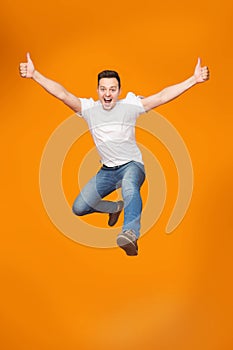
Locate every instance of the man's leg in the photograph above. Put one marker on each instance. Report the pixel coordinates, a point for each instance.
(133, 178)
(90, 198)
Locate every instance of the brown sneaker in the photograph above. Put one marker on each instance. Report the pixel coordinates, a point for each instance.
(127, 240)
(113, 217)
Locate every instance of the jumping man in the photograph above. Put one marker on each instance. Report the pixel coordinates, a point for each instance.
(111, 122)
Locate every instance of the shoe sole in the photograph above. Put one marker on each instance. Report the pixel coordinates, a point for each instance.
(127, 245)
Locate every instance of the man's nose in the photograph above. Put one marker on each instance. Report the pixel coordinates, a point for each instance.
(108, 93)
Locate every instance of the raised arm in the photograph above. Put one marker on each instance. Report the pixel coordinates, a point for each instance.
(27, 70)
(201, 74)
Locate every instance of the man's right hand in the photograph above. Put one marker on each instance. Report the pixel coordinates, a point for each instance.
(27, 69)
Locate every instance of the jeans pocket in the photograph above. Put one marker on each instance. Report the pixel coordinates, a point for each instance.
(141, 166)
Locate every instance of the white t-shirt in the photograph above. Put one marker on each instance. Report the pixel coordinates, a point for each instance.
(113, 131)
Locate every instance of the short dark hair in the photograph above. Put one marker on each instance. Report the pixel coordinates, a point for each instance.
(109, 74)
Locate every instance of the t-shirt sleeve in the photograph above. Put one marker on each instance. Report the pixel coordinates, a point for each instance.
(86, 103)
(132, 99)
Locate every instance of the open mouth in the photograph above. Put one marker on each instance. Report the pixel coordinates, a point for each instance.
(107, 100)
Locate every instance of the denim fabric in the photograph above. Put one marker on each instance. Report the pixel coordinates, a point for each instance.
(129, 177)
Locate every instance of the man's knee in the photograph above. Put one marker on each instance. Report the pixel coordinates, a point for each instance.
(79, 207)
(77, 210)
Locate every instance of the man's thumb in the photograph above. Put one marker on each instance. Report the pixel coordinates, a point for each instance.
(199, 62)
(28, 56)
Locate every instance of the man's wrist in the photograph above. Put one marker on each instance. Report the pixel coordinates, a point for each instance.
(190, 82)
(195, 80)
(34, 75)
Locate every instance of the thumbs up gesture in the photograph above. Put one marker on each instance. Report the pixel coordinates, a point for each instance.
(27, 69)
(201, 74)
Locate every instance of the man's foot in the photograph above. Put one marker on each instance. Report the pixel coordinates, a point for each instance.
(127, 240)
(113, 217)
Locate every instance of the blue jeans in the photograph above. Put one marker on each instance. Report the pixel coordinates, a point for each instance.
(129, 177)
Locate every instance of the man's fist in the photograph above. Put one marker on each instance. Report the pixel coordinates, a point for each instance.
(27, 69)
(201, 74)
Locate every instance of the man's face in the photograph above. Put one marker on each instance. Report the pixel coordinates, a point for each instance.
(108, 92)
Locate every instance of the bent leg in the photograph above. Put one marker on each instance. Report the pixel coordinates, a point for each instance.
(90, 198)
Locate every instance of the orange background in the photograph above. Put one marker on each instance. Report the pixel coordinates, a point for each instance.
(57, 294)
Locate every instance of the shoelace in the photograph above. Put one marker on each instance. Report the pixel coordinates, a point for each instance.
(131, 234)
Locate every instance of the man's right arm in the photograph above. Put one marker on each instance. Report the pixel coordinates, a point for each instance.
(27, 70)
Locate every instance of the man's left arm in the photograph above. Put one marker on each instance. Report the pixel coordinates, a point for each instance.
(201, 74)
